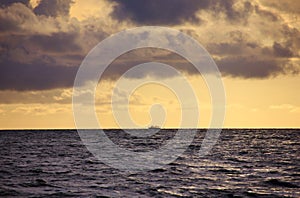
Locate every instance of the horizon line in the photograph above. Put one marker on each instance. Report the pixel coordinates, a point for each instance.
(165, 128)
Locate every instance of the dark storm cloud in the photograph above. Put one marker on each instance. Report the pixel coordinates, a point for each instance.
(239, 56)
(33, 58)
(236, 63)
(35, 76)
(172, 12)
(9, 2)
(12, 18)
(60, 42)
(32, 61)
(249, 67)
(7, 25)
(155, 12)
(282, 51)
(36, 58)
(53, 8)
(278, 50)
(133, 58)
(241, 14)
(226, 7)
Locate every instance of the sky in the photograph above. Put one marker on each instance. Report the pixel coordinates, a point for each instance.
(255, 44)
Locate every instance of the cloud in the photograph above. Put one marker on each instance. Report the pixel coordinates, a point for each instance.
(172, 12)
(35, 109)
(13, 17)
(35, 76)
(282, 51)
(39, 52)
(140, 56)
(238, 54)
(288, 107)
(53, 8)
(156, 12)
(290, 6)
(240, 57)
(42, 47)
(249, 67)
(60, 42)
(61, 96)
(9, 2)
(19, 19)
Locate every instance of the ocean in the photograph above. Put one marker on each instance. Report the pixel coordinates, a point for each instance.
(243, 163)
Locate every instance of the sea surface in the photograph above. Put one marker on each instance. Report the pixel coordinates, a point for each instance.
(243, 163)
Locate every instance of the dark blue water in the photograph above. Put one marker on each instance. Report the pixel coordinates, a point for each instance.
(244, 163)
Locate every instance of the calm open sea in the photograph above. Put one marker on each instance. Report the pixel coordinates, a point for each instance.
(244, 163)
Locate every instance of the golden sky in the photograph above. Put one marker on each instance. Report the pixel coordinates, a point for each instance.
(255, 44)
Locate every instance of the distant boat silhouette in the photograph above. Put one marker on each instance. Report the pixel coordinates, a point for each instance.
(154, 127)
